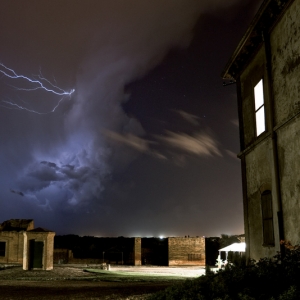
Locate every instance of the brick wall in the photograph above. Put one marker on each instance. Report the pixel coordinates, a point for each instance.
(186, 251)
(13, 246)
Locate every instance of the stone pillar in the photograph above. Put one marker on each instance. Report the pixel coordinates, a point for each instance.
(137, 252)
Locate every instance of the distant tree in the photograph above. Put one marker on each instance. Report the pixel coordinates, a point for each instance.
(227, 240)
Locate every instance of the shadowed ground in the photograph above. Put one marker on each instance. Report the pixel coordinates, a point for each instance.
(74, 282)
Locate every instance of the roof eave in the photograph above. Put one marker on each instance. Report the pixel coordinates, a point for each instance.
(265, 19)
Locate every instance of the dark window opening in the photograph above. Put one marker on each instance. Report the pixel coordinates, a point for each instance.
(267, 218)
(2, 248)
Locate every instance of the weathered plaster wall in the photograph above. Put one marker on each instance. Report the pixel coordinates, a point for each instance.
(182, 251)
(285, 41)
(14, 246)
(259, 179)
(48, 239)
(289, 156)
(260, 160)
(250, 77)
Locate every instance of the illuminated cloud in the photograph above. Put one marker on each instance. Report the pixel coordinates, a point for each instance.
(130, 140)
(192, 119)
(43, 205)
(135, 142)
(235, 122)
(76, 180)
(200, 144)
(232, 154)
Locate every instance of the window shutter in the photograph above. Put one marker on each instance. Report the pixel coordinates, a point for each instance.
(267, 216)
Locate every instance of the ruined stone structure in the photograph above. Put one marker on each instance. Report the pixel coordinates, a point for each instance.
(137, 252)
(21, 243)
(266, 69)
(172, 251)
(186, 251)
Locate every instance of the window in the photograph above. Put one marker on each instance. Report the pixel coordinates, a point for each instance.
(259, 108)
(267, 215)
(2, 249)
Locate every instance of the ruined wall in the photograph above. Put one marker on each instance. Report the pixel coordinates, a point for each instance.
(13, 246)
(186, 251)
(62, 256)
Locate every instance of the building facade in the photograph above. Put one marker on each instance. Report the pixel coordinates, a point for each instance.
(266, 69)
(21, 243)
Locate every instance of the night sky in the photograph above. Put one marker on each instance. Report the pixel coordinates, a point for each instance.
(146, 144)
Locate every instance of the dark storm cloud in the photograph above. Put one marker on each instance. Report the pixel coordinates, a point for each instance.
(67, 159)
(17, 192)
(73, 184)
(129, 38)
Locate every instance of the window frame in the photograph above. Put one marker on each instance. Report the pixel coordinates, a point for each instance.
(261, 108)
(267, 218)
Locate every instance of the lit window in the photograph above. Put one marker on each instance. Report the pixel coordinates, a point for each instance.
(259, 108)
(267, 215)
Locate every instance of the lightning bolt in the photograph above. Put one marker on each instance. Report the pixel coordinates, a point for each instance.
(38, 82)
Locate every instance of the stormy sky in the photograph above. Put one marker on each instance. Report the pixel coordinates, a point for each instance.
(113, 117)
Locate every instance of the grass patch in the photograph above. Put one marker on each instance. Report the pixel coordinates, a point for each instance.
(125, 276)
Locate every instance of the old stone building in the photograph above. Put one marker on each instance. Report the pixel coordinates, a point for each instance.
(266, 69)
(21, 243)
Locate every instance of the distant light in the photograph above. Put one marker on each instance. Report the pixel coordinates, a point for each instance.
(161, 237)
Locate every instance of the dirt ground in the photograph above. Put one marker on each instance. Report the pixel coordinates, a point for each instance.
(72, 282)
